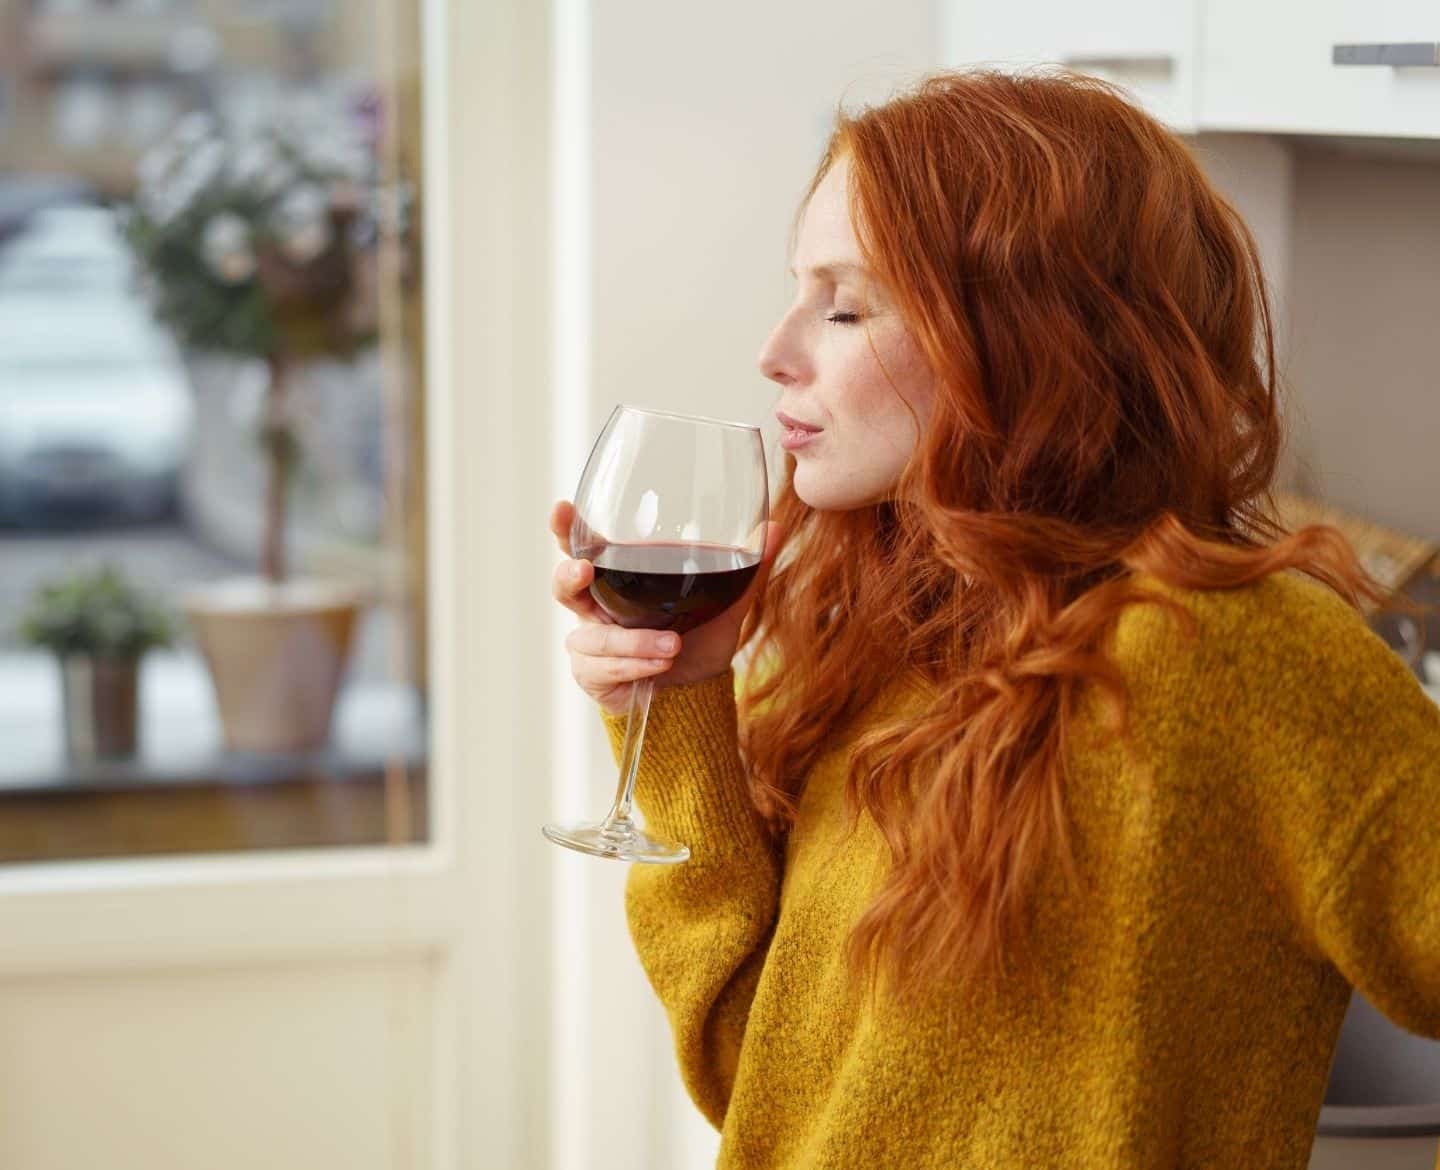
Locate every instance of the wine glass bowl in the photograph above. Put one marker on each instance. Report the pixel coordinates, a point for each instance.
(671, 510)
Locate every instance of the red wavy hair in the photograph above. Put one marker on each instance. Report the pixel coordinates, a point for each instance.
(1096, 317)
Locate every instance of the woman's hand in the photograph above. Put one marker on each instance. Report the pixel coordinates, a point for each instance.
(607, 659)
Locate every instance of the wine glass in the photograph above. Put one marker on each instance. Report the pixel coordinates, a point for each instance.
(671, 510)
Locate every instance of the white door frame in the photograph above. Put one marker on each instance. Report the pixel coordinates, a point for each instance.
(473, 901)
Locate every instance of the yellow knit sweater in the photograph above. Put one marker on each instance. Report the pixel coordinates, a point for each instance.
(1282, 844)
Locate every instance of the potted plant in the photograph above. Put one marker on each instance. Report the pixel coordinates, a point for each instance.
(259, 239)
(99, 627)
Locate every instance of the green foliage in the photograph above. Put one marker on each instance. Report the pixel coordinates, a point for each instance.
(96, 612)
(205, 312)
(234, 264)
(259, 238)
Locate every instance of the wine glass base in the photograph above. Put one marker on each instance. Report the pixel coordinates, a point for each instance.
(617, 843)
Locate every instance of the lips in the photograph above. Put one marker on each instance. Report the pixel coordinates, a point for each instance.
(797, 434)
(794, 424)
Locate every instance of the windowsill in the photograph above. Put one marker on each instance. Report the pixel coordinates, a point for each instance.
(180, 739)
(183, 791)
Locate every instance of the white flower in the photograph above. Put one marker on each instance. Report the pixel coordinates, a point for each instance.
(341, 155)
(251, 161)
(236, 268)
(193, 129)
(355, 160)
(156, 164)
(303, 244)
(203, 165)
(305, 115)
(303, 205)
(302, 221)
(165, 204)
(279, 175)
(225, 244)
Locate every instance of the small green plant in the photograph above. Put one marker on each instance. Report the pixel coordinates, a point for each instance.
(96, 612)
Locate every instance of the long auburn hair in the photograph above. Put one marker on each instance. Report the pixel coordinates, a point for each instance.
(1107, 403)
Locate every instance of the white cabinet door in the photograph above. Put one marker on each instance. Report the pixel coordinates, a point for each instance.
(1148, 48)
(1269, 66)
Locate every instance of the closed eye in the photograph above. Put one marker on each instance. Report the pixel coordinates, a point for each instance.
(843, 318)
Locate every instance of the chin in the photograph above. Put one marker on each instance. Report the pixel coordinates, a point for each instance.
(832, 493)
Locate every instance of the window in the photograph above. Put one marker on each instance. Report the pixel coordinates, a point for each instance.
(212, 621)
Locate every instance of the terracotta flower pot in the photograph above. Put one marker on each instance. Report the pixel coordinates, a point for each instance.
(277, 655)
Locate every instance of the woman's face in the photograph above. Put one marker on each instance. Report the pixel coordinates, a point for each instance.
(842, 358)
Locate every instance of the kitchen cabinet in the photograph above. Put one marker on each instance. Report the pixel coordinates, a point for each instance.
(1270, 67)
(1228, 64)
(1149, 48)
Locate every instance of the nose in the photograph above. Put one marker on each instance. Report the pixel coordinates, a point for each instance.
(778, 360)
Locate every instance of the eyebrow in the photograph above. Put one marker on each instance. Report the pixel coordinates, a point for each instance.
(832, 270)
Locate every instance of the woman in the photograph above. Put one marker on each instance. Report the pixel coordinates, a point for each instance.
(1070, 794)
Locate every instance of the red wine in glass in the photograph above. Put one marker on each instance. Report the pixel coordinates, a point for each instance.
(669, 586)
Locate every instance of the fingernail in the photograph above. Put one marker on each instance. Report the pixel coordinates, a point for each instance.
(668, 642)
(573, 571)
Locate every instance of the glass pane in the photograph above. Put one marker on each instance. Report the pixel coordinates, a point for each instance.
(212, 622)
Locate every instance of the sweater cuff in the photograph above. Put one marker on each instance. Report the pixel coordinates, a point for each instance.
(691, 785)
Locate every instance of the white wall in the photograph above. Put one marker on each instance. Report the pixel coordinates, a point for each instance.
(1256, 172)
(1348, 234)
(708, 122)
(1366, 286)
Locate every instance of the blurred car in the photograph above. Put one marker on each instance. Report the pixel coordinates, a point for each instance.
(68, 250)
(21, 196)
(96, 412)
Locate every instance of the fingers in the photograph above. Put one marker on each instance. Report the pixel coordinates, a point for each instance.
(561, 517)
(618, 642)
(570, 586)
(563, 521)
(603, 656)
(600, 674)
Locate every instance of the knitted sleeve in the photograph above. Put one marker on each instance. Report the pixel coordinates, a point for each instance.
(1342, 745)
(1378, 914)
(701, 928)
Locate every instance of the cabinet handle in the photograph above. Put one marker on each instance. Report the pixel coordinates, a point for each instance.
(1415, 53)
(1152, 61)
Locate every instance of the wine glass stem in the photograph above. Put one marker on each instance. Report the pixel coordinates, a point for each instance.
(618, 819)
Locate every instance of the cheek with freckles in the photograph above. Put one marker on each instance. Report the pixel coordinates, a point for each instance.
(870, 431)
(890, 395)
(861, 454)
